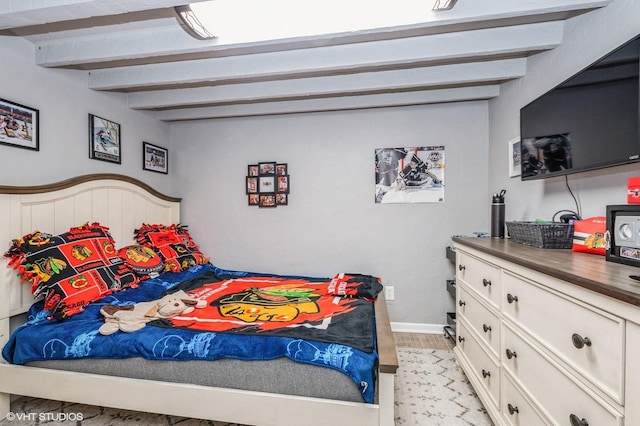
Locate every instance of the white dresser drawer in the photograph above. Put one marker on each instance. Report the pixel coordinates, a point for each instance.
(485, 369)
(560, 396)
(481, 276)
(485, 323)
(517, 410)
(589, 340)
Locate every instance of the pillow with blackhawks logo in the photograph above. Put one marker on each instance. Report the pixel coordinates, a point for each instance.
(173, 243)
(71, 269)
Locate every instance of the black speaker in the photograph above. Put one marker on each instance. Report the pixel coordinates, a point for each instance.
(623, 234)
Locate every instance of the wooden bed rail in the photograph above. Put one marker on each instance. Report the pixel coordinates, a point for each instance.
(388, 356)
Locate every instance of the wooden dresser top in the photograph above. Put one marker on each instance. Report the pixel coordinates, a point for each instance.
(583, 269)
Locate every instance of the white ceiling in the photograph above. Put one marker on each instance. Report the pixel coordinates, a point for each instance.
(139, 48)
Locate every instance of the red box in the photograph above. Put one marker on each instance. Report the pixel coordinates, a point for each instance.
(633, 190)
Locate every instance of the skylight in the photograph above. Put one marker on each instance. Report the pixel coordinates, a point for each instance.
(255, 20)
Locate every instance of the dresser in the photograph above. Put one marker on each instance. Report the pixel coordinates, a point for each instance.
(548, 337)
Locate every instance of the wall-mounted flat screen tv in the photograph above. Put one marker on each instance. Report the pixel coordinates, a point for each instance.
(588, 122)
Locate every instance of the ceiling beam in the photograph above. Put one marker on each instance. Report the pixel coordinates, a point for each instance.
(314, 87)
(332, 60)
(465, 94)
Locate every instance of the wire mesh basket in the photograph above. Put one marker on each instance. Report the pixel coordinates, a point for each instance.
(542, 235)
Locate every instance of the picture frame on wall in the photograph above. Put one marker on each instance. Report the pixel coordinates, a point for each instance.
(282, 199)
(267, 168)
(252, 185)
(282, 169)
(253, 170)
(267, 184)
(282, 184)
(19, 125)
(155, 158)
(267, 200)
(104, 140)
(515, 157)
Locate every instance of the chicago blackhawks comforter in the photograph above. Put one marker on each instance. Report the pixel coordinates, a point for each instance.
(234, 314)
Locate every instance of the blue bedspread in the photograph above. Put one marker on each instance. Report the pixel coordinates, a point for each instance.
(77, 337)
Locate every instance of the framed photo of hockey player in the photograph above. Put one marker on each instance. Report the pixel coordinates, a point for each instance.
(19, 125)
(155, 158)
(409, 175)
(104, 140)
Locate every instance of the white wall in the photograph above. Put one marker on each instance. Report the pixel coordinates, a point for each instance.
(332, 223)
(65, 102)
(587, 38)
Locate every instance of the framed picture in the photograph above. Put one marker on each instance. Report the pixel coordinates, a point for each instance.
(268, 168)
(515, 157)
(19, 125)
(282, 199)
(253, 170)
(267, 200)
(104, 140)
(252, 184)
(267, 184)
(155, 158)
(282, 184)
(281, 170)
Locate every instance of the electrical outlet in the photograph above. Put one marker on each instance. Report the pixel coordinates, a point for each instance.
(389, 293)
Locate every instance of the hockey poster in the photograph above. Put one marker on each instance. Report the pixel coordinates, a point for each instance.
(409, 175)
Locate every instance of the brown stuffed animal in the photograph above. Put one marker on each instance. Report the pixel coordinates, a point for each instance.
(134, 317)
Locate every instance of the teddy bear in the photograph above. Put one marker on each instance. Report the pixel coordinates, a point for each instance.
(135, 317)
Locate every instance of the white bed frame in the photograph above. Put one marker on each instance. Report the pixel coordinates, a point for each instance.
(122, 204)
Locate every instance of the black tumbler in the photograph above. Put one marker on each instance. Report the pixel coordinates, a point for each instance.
(497, 215)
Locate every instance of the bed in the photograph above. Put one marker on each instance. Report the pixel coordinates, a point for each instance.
(123, 203)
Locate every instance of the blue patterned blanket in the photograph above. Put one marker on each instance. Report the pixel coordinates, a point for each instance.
(78, 337)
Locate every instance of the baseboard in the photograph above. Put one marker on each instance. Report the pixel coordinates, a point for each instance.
(407, 327)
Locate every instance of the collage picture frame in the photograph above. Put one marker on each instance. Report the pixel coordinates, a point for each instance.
(267, 184)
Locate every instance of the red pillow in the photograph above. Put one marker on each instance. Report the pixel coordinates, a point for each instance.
(71, 269)
(174, 245)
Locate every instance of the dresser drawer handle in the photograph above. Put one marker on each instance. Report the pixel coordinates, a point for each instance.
(511, 298)
(512, 410)
(461, 267)
(486, 328)
(577, 421)
(461, 303)
(460, 339)
(511, 354)
(579, 341)
(486, 373)
(486, 282)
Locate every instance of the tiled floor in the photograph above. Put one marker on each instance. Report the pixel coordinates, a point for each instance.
(423, 341)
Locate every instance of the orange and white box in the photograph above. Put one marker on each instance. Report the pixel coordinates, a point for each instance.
(633, 190)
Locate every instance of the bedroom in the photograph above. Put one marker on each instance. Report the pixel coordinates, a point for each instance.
(331, 223)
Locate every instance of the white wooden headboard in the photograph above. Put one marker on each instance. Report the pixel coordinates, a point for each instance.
(119, 202)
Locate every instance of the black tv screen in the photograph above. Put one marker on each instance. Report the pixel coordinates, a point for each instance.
(588, 122)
